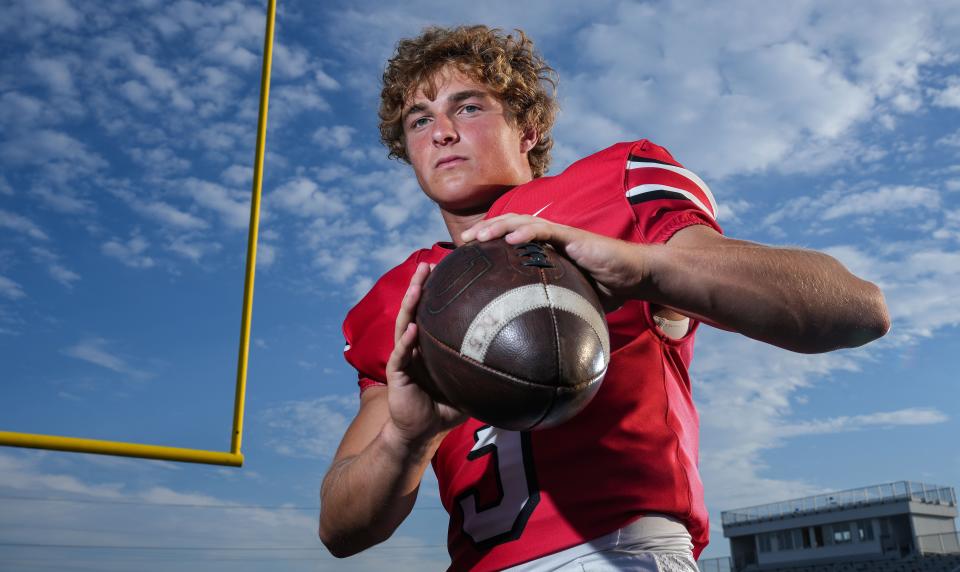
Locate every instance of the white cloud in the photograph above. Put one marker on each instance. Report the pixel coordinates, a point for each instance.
(5, 188)
(391, 215)
(951, 140)
(290, 62)
(19, 109)
(193, 249)
(45, 146)
(21, 224)
(311, 428)
(885, 200)
(131, 252)
(266, 255)
(303, 197)
(169, 215)
(63, 200)
(161, 160)
(54, 72)
(334, 137)
(55, 268)
(10, 289)
(124, 514)
(238, 175)
(58, 12)
(233, 210)
(287, 101)
(950, 95)
(910, 416)
(95, 350)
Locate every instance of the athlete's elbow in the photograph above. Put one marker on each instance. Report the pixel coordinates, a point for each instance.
(342, 543)
(869, 321)
(339, 546)
(875, 317)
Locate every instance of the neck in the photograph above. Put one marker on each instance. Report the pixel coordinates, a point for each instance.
(457, 223)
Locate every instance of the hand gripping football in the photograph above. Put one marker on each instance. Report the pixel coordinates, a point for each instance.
(512, 335)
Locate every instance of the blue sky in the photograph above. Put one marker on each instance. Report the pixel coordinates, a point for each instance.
(126, 150)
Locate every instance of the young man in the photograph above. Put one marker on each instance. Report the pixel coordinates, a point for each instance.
(617, 487)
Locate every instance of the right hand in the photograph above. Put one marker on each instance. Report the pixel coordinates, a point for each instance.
(416, 417)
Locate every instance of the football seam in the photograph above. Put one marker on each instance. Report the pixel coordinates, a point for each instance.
(444, 346)
(551, 304)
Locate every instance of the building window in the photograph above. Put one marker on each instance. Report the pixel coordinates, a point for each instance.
(864, 530)
(764, 541)
(818, 536)
(784, 540)
(842, 535)
(797, 534)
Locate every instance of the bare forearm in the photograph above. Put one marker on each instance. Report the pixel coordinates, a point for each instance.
(365, 497)
(796, 299)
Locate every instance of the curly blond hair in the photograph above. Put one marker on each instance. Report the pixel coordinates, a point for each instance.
(507, 64)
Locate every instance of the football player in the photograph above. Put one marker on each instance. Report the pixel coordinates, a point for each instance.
(616, 487)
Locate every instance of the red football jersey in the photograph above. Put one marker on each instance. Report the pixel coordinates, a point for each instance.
(515, 497)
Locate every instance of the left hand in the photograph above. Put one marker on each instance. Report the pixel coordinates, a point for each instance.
(619, 268)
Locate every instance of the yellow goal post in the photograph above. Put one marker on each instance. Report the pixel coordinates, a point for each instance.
(233, 457)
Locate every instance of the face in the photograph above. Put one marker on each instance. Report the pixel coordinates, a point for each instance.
(464, 147)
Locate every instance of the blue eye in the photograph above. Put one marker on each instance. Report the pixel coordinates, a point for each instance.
(420, 122)
(470, 108)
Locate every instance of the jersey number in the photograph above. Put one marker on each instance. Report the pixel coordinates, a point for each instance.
(505, 518)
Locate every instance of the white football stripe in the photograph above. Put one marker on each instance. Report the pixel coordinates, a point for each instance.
(640, 189)
(685, 172)
(503, 309)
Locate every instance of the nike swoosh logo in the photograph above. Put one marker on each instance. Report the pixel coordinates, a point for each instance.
(543, 209)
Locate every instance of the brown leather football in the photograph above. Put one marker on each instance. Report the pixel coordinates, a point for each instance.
(512, 335)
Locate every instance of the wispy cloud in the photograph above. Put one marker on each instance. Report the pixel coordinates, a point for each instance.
(896, 200)
(233, 207)
(10, 289)
(311, 428)
(884, 419)
(21, 224)
(97, 351)
(131, 252)
(55, 267)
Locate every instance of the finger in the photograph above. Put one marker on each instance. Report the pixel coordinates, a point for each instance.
(483, 227)
(560, 236)
(402, 350)
(408, 306)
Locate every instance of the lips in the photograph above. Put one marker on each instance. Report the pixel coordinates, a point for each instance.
(450, 161)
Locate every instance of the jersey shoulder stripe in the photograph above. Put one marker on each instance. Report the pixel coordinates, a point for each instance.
(646, 175)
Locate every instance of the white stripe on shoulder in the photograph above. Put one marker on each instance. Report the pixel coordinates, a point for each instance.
(651, 188)
(680, 170)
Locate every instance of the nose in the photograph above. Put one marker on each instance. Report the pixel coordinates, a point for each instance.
(444, 131)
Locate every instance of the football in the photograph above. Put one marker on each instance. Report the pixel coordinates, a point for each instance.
(512, 335)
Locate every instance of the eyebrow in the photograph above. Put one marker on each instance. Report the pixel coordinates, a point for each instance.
(452, 98)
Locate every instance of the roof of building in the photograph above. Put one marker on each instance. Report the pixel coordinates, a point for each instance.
(899, 490)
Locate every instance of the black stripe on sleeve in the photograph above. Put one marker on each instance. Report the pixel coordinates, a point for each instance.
(656, 196)
(636, 159)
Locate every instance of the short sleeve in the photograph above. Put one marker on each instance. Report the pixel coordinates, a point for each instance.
(368, 327)
(663, 195)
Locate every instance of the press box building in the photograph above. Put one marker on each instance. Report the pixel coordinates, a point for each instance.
(889, 521)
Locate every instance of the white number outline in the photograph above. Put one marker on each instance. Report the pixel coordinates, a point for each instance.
(507, 522)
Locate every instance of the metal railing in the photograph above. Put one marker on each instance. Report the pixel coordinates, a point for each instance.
(943, 543)
(722, 564)
(919, 492)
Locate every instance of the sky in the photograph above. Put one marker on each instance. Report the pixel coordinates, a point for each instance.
(126, 152)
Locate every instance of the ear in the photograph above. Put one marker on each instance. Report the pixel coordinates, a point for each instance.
(529, 138)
